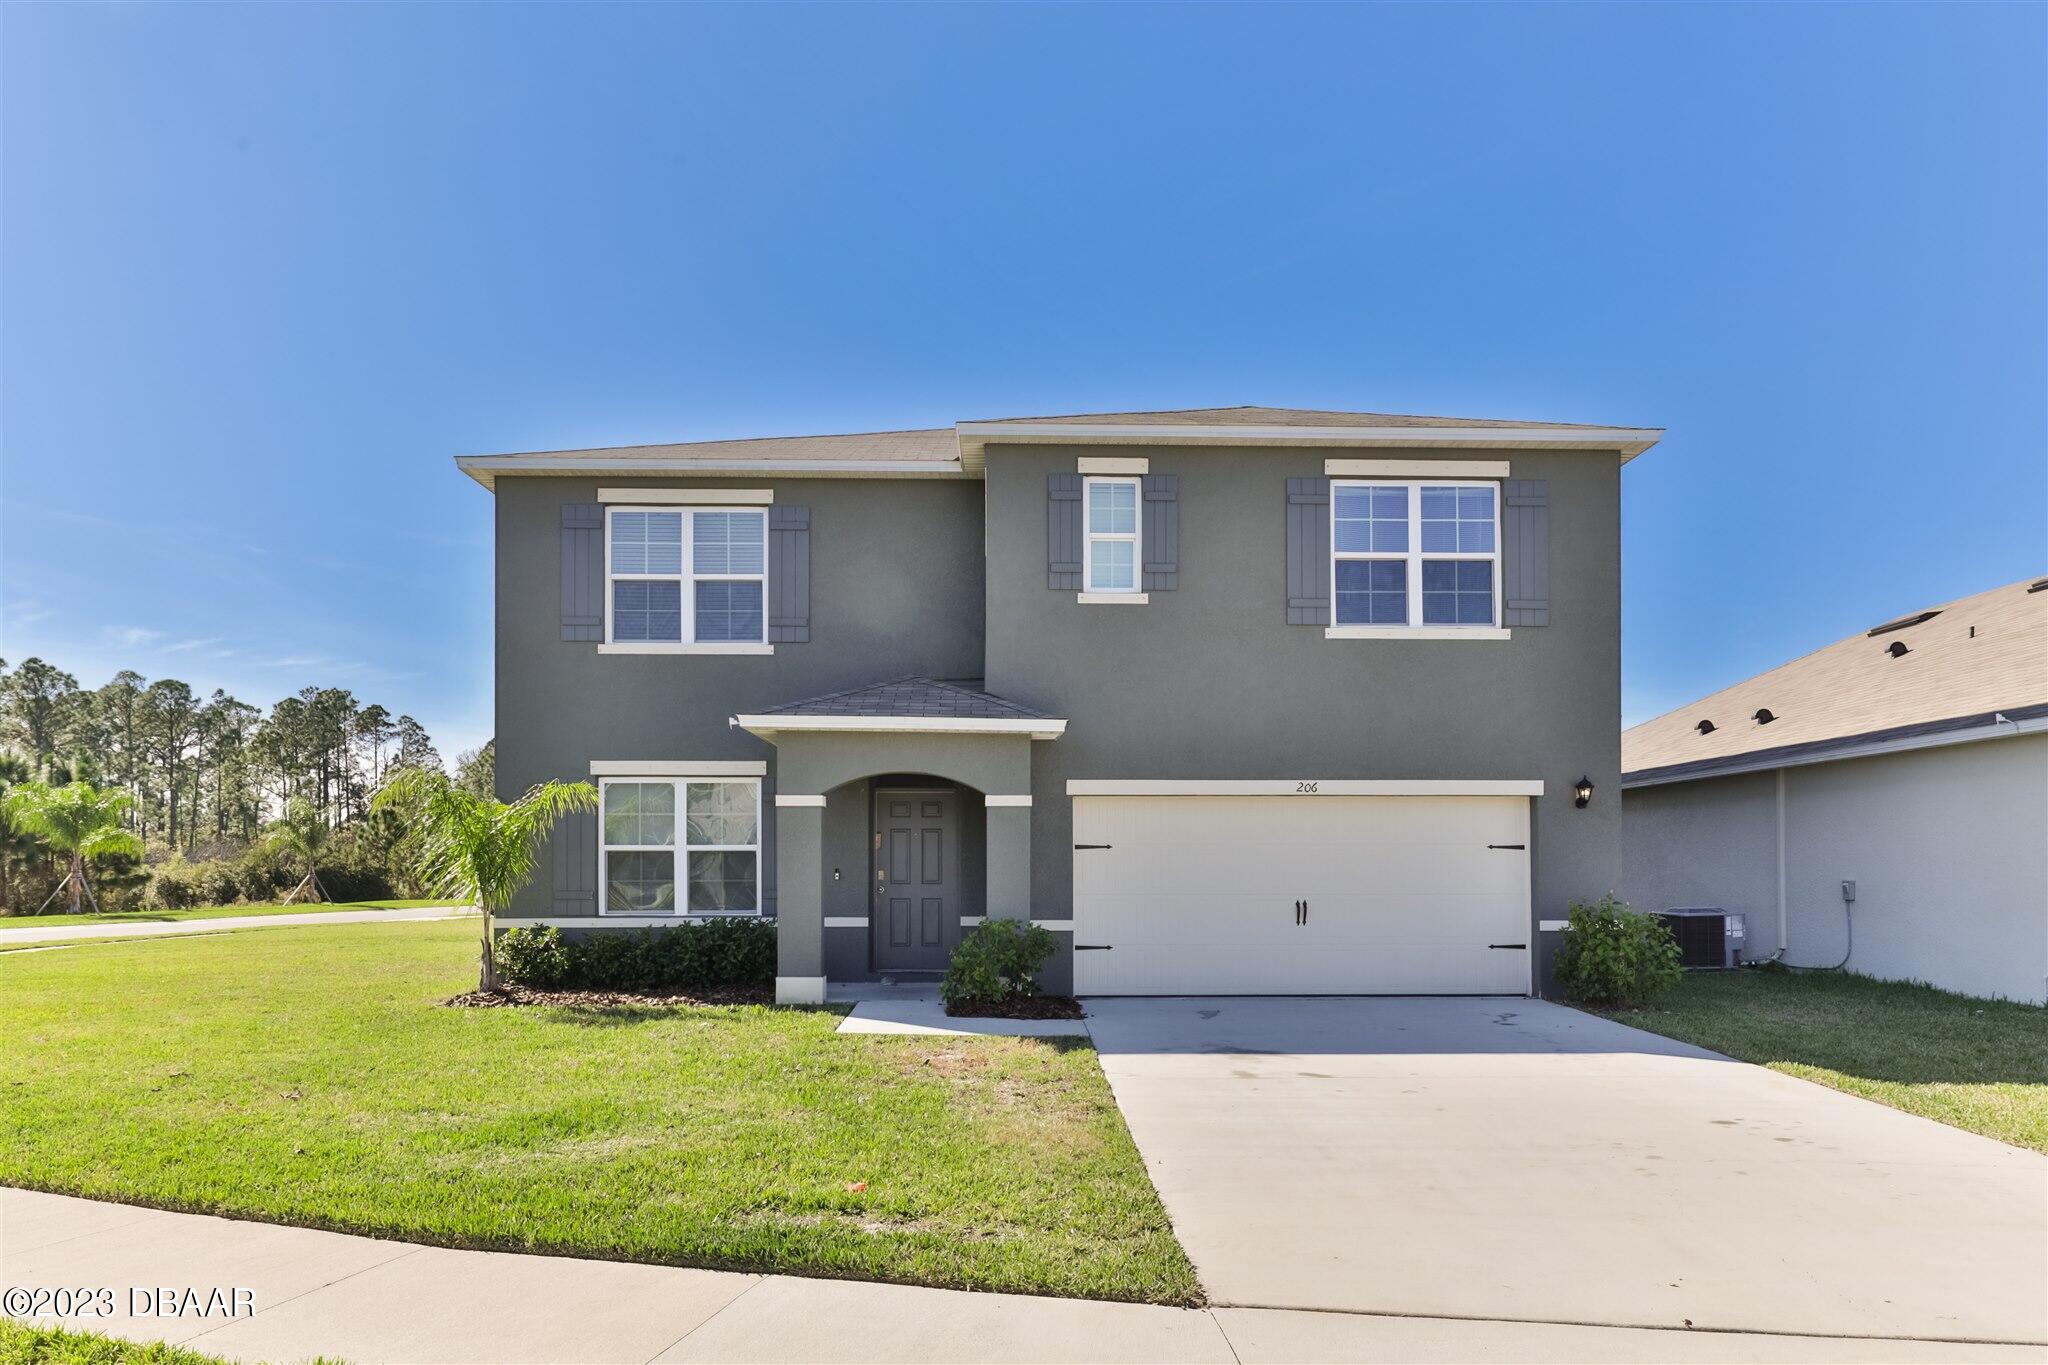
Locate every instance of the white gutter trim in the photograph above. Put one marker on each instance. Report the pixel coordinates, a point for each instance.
(486, 468)
(1036, 728)
(1307, 788)
(1629, 441)
(1998, 729)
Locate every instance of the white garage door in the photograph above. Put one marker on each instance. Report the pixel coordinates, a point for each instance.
(1398, 895)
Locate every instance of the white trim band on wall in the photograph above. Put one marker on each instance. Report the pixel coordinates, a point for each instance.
(1307, 788)
(782, 800)
(1115, 464)
(1009, 800)
(676, 767)
(846, 921)
(1425, 469)
(688, 496)
(1057, 926)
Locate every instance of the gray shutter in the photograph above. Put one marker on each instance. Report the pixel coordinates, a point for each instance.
(789, 575)
(1063, 532)
(1308, 552)
(575, 849)
(582, 571)
(1162, 532)
(1525, 553)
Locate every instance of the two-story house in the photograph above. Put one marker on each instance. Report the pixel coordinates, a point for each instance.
(1235, 701)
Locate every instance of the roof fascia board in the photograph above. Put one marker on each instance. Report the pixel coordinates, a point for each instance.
(1628, 441)
(1762, 762)
(486, 469)
(767, 726)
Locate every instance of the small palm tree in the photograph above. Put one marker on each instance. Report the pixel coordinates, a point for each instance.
(478, 849)
(77, 820)
(303, 835)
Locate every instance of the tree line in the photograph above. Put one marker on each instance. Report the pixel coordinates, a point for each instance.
(204, 773)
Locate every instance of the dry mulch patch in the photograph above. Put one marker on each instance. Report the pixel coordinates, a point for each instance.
(506, 996)
(1024, 1007)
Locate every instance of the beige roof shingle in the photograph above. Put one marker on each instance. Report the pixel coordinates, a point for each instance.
(1975, 655)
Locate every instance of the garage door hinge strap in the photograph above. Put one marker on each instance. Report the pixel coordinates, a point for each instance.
(1522, 846)
(1508, 945)
(1093, 947)
(1094, 846)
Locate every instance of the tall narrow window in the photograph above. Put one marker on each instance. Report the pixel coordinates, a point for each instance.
(688, 576)
(1420, 554)
(708, 863)
(1113, 554)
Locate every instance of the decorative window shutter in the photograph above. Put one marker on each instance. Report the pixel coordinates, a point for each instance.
(1063, 532)
(1525, 552)
(1308, 552)
(582, 571)
(789, 574)
(575, 850)
(1162, 532)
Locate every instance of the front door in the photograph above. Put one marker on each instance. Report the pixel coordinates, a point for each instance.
(916, 879)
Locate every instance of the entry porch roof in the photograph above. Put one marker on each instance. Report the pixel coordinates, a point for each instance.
(916, 705)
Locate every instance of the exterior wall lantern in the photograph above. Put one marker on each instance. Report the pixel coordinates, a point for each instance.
(1582, 794)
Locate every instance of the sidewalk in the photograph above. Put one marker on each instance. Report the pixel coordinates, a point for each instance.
(363, 1300)
(79, 933)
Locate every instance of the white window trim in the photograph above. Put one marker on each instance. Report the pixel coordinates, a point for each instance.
(1113, 599)
(688, 591)
(1416, 629)
(1089, 592)
(745, 497)
(681, 850)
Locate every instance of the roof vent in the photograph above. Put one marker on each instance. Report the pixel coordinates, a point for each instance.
(1897, 649)
(1705, 727)
(1905, 621)
(1763, 715)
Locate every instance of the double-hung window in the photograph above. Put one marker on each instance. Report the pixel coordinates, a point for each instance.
(1422, 555)
(1112, 554)
(685, 576)
(680, 846)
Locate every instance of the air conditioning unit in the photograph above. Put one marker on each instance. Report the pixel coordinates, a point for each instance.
(1707, 937)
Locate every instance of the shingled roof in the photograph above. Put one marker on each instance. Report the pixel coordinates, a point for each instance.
(908, 697)
(1945, 668)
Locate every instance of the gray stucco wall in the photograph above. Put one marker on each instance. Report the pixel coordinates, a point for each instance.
(1209, 680)
(1948, 848)
(896, 588)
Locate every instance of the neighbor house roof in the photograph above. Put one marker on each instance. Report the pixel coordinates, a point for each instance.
(1940, 673)
(958, 451)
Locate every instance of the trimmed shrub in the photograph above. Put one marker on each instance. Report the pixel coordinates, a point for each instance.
(533, 956)
(711, 952)
(1612, 956)
(999, 959)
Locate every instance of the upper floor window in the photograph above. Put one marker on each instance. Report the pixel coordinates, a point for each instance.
(687, 575)
(1415, 554)
(1112, 554)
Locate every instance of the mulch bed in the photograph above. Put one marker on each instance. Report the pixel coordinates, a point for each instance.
(511, 996)
(1028, 1007)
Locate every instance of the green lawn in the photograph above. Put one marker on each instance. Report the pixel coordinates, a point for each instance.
(58, 921)
(315, 1078)
(22, 1344)
(1976, 1064)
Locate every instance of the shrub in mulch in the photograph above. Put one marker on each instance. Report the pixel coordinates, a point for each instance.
(1016, 1007)
(514, 996)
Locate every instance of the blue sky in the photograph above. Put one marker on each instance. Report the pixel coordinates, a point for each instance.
(266, 269)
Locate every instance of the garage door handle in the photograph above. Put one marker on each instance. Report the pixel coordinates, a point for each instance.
(1522, 946)
(1093, 947)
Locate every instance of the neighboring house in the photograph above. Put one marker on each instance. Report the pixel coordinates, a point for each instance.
(1910, 759)
(1233, 700)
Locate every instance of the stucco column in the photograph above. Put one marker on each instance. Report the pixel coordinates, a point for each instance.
(800, 899)
(1009, 856)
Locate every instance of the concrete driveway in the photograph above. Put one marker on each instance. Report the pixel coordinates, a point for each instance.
(1512, 1159)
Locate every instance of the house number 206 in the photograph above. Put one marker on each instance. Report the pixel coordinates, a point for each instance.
(1306, 788)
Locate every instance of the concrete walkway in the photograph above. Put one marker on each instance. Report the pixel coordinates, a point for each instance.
(915, 1008)
(1510, 1158)
(29, 932)
(322, 1293)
